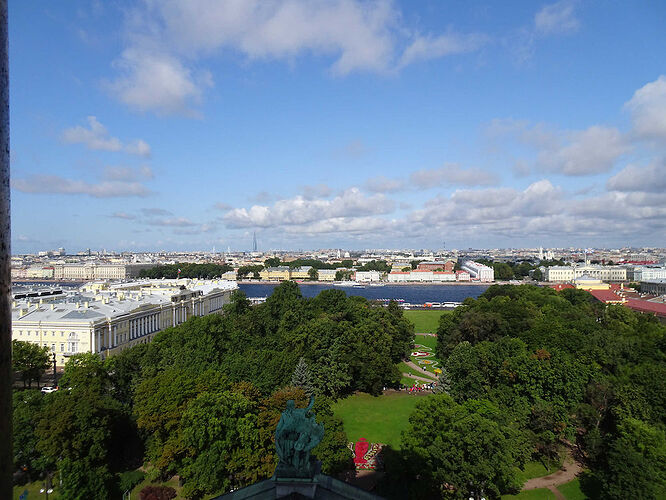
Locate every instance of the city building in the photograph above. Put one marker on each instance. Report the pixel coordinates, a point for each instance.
(417, 276)
(570, 273)
(280, 273)
(368, 276)
(479, 272)
(105, 319)
(327, 274)
(646, 273)
(654, 287)
(436, 265)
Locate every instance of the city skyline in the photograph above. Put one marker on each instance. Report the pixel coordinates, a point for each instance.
(343, 124)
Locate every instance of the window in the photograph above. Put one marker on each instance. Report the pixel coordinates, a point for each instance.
(52, 347)
(62, 347)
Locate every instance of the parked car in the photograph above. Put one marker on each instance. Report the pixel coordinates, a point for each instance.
(49, 389)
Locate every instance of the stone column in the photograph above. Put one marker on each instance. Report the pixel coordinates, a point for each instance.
(6, 375)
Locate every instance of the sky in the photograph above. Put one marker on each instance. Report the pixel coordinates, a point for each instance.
(167, 125)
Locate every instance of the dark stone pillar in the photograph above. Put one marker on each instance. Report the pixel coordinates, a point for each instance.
(6, 379)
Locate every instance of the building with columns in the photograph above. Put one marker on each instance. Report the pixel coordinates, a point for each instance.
(106, 319)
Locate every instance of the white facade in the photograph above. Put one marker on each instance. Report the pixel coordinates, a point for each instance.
(422, 276)
(570, 273)
(368, 276)
(105, 320)
(646, 273)
(478, 271)
(90, 271)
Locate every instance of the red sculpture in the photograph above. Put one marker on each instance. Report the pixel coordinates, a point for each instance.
(360, 449)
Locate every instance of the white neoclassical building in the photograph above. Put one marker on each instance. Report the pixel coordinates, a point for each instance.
(105, 319)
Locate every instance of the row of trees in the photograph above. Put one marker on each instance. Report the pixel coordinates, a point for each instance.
(202, 400)
(171, 271)
(519, 270)
(317, 264)
(527, 370)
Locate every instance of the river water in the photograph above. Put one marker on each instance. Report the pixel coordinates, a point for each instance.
(414, 294)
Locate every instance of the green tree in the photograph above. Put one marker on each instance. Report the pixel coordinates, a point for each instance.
(85, 435)
(31, 360)
(302, 377)
(636, 462)
(272, 262)
(313, 274)
(443, 383)
(221, 438)
(537, 275)
(27, 407)
(343, 275)
(464, 450)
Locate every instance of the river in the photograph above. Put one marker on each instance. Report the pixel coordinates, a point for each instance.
(414, 294)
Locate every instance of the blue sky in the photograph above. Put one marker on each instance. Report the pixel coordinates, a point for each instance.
(168, 125)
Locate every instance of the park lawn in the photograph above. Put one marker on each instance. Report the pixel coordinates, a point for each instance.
(538, 494)
(426, 340)
(537, 469)
(404, 368)
(425, 321)
(33, 490)
(379, 419)
(572, 491)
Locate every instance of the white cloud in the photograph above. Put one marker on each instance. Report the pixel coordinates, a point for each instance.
(381, 184)
(585, 152)
(53, 184)
(166, 39)
(317, 191)
(651, 178)
(300, 211)
(123, 215)
(557, 18)
(648, 110)
(97, 138)
(171, 222)
(454, 175)
(432, 47)
(223, 206)
(155, 211)
(158, 82)
(119, 173)
(574, 152)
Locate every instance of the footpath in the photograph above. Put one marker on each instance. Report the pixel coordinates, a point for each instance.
(570, 469)
(430, 376)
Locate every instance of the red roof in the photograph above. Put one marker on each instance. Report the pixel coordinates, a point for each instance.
(606, 296)
(647, 307)
(561, 286)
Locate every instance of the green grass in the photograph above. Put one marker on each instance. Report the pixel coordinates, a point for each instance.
(425, 321)
(426, 340)
(572, 491)
(404, 368)
(430, 342)
(537, 469)
(33, 490)
(538, 494)
(379, 419)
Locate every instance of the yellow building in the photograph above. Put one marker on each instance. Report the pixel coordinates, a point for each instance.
(280, 273)
(107, 320)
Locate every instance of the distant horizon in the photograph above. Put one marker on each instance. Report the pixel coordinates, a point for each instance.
(582, 249)
(165, 125)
